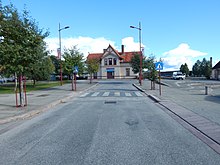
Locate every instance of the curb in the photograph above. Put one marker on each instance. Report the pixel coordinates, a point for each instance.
(189, 125)
(42, 108)
(152, 97)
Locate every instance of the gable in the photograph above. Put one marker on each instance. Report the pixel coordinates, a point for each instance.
(124, 57)
(110, 51)
(217, 66)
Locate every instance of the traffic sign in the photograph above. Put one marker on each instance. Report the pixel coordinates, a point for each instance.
(159, 66)
(75, 69)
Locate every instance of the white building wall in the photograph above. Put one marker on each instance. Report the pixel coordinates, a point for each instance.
(119, 68)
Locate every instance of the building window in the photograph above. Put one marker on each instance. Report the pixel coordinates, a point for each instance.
(127, 71)
(115, 61)
(110, 61)
(106, 61)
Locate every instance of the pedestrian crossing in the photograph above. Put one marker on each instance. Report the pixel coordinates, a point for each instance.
(113, 94)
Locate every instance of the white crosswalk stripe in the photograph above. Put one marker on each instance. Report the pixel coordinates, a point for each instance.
(111, 94)
(84, 95)
(105, 94)
(95, 94)
(138, 94)
(128, 94)
(117, 94)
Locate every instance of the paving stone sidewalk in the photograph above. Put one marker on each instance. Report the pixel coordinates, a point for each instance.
(200, 111)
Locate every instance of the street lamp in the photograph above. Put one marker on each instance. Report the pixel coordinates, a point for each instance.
(141, 58)
(61, 75)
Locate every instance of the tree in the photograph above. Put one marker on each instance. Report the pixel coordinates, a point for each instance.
(153, 74)
(206, 68)
(184, 69)
(202, 68)
(41, 70)
(23, 43)
(196, 70)
(56, 63)
(92, 67)
(135, 63)
(73, 57)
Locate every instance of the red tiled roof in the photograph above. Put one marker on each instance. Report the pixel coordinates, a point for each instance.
(95, 56)
(126, 56)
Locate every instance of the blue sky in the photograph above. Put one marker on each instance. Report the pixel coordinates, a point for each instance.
(177, 31)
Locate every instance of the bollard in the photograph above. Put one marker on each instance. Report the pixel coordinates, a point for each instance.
(206, 90)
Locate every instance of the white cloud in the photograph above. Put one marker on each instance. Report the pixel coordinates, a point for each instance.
(174, 58)
(84, 44)
(92, 45)
(130, 45)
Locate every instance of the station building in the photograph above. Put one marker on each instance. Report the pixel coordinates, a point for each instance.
(113, 64)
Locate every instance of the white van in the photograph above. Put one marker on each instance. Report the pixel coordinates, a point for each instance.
(178, 76)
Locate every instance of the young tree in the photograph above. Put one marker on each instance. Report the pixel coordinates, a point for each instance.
(73, 57)
(135, 63)
(153, 74)
(92, 67)
(23, 43)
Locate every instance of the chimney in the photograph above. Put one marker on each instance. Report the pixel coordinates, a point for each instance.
(211, 62)
(122, 49)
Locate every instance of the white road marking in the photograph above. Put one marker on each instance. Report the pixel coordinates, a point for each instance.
(138, 94)
(84, 95)
(117, 93)
(95, 94)
(106, 94)
(128, 94)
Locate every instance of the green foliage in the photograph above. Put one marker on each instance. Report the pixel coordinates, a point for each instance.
(135, 63)
(42, 69)
(184, 69)
(92, 66)
(202, 68)
(56, 63)
(23, 43)
(73, 58)
(150, 65)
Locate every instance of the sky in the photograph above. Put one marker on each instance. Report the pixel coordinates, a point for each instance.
(175, 31)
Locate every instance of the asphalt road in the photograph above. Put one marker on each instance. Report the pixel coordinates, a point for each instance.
(112, 124)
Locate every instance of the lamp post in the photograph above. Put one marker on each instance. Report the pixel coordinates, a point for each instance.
(141, 58)
(61, 75)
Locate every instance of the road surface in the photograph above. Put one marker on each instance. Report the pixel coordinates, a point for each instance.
(111, 124)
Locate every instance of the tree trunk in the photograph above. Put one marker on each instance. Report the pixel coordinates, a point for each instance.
(21, 91)
(34, 82)
(91, 78)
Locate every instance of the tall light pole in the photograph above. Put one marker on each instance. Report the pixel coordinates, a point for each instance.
(141, 58)
(61, 75)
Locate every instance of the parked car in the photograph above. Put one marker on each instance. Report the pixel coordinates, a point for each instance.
(178, 76)
(2, 79)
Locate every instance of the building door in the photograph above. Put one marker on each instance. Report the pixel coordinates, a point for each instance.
(110, 75)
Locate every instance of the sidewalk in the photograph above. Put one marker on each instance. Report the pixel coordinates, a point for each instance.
(196, 111)
(38, 101)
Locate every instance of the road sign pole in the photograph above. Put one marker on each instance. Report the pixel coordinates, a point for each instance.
(160, 83)
(75, 81)
(72, 82)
